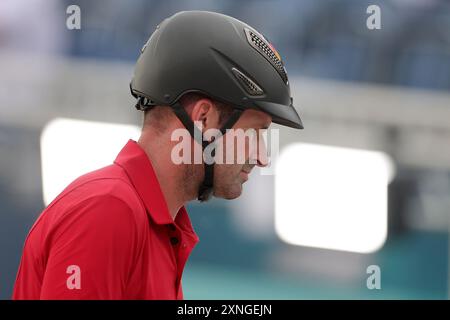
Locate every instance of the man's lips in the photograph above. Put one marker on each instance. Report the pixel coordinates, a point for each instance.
(244, 174)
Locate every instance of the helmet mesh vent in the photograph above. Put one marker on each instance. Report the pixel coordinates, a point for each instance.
(262, 47)
(250, 86)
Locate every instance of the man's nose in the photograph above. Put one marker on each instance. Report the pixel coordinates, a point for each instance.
(262, 158)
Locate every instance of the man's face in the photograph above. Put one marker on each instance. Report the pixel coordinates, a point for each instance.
(243, 148)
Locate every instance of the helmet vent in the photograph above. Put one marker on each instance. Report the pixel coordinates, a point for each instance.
(261, 45)
(250, 86)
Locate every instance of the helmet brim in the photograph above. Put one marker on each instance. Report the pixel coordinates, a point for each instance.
(281, 114)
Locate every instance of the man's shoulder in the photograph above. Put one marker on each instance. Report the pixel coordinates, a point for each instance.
(102, 196)
(108, 182)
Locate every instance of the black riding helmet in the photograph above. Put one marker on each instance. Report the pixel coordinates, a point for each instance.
(219, 56)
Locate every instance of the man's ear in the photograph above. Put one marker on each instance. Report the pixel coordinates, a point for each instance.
(204, 110)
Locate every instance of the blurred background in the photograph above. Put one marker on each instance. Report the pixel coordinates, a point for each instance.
(385, 90)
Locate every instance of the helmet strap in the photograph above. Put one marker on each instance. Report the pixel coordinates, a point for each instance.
(206, 188)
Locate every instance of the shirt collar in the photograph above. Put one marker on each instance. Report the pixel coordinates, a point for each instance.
(133, 159)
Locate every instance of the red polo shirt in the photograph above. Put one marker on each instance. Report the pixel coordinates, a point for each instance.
(108, 235)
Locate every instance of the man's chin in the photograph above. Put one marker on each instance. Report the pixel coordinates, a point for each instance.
(229, 194)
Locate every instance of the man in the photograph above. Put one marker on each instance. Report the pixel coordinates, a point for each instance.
(122, 232)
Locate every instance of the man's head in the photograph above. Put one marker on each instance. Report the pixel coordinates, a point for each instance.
(234, 159)
(224, 58)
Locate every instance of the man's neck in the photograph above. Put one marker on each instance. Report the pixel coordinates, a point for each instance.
(169, 176)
